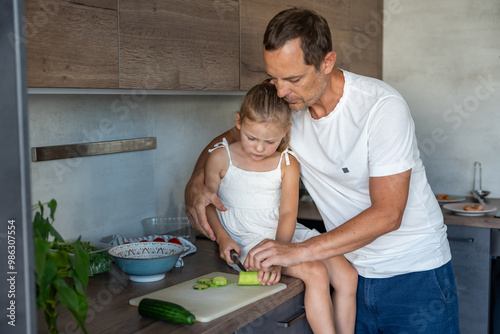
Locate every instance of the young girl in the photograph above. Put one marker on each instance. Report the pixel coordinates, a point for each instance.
(257, 179)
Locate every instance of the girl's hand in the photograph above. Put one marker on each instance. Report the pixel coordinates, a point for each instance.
(272, 276)
(225, 247)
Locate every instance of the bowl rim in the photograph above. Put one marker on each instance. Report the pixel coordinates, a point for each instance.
(166, 219)
(149, 243)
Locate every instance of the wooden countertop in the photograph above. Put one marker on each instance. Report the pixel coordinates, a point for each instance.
(308, 210)
(108, 295)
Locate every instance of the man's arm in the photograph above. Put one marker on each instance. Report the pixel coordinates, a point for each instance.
(197, 196)
(388, 195)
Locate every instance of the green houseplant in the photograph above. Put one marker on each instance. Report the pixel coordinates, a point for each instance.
(61, 278)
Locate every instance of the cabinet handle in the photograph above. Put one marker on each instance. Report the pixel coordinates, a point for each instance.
(292, 321)
(467, 240)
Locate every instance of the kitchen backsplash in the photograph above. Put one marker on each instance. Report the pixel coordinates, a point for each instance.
(110, 194)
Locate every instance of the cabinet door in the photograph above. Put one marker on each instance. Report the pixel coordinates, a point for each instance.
(470, 250)
(71, 43)
(288, 318)
(365, 50)
(183, 44)
(338, 14)
(255, 15)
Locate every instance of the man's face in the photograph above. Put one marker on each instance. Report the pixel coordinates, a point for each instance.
(299, 84)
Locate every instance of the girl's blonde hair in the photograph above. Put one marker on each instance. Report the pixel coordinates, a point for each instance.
(262, 104)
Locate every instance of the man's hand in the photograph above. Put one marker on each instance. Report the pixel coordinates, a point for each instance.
(270, 253)
(197, 197)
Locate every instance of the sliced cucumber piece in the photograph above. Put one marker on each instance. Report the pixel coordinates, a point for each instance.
(205, 280)
(216, 282)
(219, 281)
(200, 286)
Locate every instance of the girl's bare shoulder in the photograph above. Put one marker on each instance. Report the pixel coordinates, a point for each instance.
(219, 158)
(292, 168)
(293, 161)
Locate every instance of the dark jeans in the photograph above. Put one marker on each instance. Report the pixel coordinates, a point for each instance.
(420, 302)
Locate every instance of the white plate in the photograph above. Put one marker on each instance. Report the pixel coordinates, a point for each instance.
(458, 208)
(457, 198)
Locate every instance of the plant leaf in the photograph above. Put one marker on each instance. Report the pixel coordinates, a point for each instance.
(61, 259)
(55, 234)
(67, 295)
(45, 289)
(60, 278)
(81, 262)
(41, 250)
(52, 206)
(75, 301)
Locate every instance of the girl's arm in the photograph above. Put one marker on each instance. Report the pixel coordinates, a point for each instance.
(215, 169)
(289, 204)
(289, 200)
(196, 194)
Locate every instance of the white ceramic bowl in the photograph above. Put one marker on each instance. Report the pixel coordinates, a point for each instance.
(146, 261)
(177, 227)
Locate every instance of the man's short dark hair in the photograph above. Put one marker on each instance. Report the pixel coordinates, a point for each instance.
(311, 28)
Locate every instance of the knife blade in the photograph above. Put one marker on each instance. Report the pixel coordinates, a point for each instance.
(236, 259)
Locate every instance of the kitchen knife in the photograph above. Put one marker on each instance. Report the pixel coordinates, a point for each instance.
(236, 259)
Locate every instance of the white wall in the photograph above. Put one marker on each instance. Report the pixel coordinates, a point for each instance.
(110, 194)
(444, 58)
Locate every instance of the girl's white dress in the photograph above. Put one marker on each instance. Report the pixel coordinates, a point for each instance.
(252, 200)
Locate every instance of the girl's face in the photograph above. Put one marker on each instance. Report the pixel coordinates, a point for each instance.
(260, 139)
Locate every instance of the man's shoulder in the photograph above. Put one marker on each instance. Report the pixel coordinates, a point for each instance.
(369, 86)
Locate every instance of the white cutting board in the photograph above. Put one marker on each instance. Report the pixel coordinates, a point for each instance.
(212, 303)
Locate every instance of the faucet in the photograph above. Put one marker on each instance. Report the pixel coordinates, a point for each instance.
(479, 194)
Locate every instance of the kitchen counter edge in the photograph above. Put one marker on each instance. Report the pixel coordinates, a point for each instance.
(308, 210)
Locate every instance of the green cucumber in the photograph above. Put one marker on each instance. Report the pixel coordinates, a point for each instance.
(166, 311)
(249, 278)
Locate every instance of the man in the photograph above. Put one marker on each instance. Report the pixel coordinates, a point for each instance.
(354, 138)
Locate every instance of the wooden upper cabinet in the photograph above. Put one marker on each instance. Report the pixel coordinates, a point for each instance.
(184, 44)
(337, 13)
(355, 26)
(365, 49)
(180, 44)
(255, 15)
(71, 43)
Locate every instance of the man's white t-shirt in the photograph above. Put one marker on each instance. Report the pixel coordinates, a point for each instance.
(370, 133)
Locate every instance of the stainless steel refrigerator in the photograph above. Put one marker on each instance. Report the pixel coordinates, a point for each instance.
(17, 289)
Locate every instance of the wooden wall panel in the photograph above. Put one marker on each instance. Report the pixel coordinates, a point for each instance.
(71, 43)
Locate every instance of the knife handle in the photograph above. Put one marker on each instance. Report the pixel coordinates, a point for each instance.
(234, 255)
